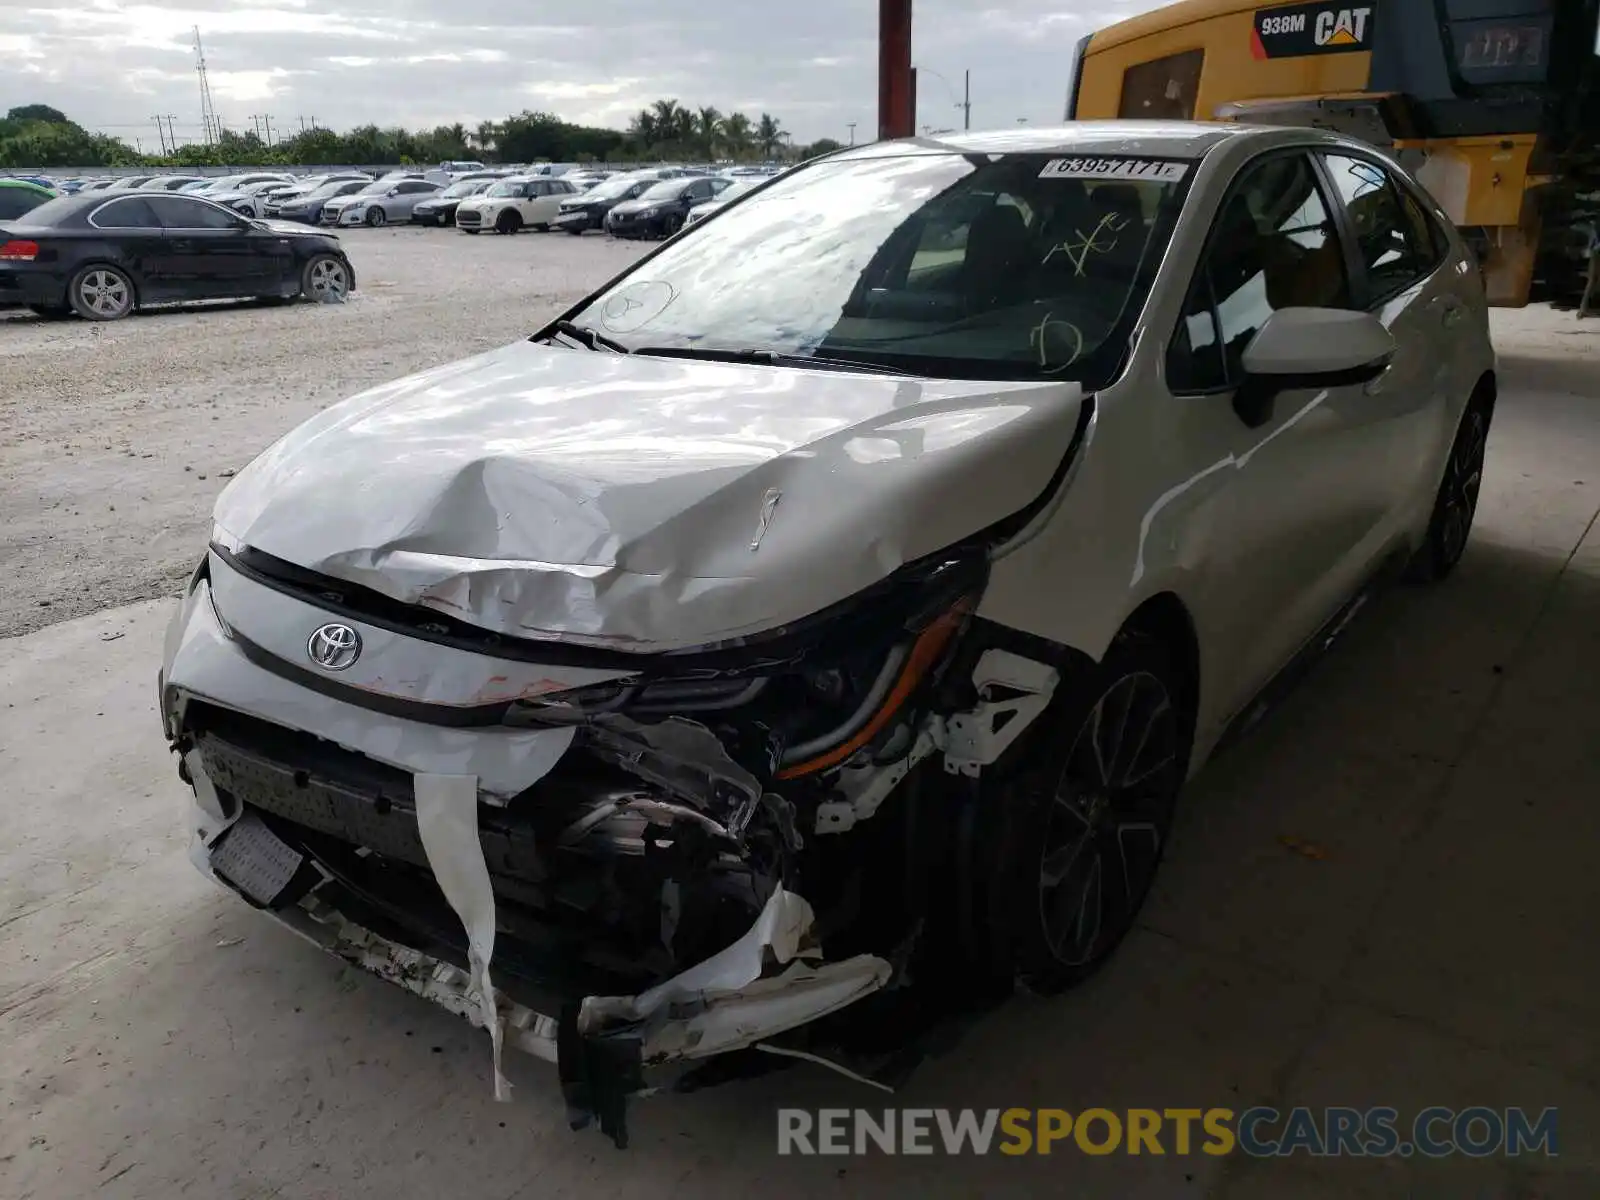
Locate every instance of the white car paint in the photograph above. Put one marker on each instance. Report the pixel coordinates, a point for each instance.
(670, 553)
(536, 202)
(484, 545)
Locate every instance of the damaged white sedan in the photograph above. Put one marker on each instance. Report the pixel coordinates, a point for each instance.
(828, 610)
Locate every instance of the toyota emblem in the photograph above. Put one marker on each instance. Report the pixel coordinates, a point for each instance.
(334, 647)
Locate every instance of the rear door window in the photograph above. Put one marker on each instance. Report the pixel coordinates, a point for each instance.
(132, 213)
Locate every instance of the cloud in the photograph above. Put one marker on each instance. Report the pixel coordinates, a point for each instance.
(427, 62)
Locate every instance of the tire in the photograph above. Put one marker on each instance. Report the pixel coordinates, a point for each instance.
(509, 221)
(671, 226)
(101, 293)
(377, 218)
(1456, 502)
(575, 231)
(325, 278)
(1060, 857)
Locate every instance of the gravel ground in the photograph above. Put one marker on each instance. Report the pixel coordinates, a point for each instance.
(115, 439)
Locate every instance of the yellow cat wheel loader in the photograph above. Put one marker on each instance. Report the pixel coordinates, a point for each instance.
(1493, 104)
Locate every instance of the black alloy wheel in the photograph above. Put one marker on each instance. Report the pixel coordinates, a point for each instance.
(1457, 501)
(1061, 851)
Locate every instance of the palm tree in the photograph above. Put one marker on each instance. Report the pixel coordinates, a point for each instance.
(459, 137)
(668, 119)
(768, 134)
(708, 124)
(736, 134)
(486, 133)
(644, 129)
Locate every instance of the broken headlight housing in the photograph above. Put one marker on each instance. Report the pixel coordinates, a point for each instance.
(804, 700)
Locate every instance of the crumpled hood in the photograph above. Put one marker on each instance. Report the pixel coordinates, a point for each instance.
(643, 503)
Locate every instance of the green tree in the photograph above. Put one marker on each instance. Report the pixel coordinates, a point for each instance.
(737, 136)
(708, 129)
(768, 134)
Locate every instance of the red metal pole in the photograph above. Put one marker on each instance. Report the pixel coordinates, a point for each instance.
(897, 116)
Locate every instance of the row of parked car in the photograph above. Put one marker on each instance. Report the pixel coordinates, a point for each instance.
(650, 202)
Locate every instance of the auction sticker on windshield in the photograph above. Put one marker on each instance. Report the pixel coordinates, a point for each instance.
(1162, 170)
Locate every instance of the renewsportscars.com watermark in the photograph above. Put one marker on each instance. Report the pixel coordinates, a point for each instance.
(1437, 1132)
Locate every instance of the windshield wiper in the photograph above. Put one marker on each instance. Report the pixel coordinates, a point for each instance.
(592, 338)
(770, 358)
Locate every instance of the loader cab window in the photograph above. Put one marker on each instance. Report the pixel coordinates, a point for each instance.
(1395, 238)
(1273, 245)
(1164, 89)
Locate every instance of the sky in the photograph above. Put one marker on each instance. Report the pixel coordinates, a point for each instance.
(111, 65)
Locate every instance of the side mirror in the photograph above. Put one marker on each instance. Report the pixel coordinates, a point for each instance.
(1309, 348)
(392, 193)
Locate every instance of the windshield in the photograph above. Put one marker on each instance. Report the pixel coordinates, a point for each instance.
(610, 189)
(995, 266)
(376, 186)
(666, 190)
(504, 189)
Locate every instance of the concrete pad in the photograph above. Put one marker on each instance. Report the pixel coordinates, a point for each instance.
(1361, 1053)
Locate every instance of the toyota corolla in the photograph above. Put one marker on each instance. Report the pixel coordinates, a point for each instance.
(831, 608)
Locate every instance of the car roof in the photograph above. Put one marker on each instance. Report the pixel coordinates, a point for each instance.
(1181, 139)
(26, 185)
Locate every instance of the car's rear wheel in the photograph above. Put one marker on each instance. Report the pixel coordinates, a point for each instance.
(1456, 503)
(377, 218)
(326, 279)
(508, 222)
(1060, 856)
(101, 293)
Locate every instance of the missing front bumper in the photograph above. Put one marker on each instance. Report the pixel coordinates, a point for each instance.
(607, 1048)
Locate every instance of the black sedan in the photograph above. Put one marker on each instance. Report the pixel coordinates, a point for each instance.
(441, 209)
(662, 210)
(587, 211)
(102, 256)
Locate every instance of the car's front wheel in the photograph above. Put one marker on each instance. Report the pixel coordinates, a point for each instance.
(1456, 503)
(1063, 853)
(508, 222)
(326, 279)
(101, 293)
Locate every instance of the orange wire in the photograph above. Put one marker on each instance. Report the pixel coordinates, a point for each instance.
(930, 644)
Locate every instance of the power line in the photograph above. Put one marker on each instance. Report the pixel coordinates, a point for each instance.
(208, 112)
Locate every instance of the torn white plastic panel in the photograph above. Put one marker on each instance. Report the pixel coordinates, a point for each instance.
(420, 974)
(739, 996)
(1012, 691)
(447, 819)
(204, 663)
(610, 499)
(390, 663)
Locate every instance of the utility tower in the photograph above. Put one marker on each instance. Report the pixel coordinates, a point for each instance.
(208, 112)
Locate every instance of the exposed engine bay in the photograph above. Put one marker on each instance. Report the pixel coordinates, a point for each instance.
(724, 851)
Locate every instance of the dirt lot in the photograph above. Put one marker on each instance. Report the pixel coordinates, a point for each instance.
(115, 439)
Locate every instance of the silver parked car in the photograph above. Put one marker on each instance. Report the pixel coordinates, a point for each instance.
(830, 609)
(382, 201)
